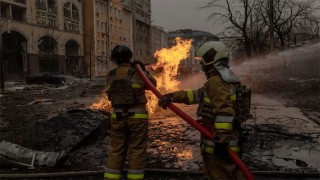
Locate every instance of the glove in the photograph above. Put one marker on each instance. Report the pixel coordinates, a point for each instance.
(142, 65)
(165, 100)
(221, 150)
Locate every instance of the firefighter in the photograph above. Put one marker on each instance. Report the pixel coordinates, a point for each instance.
(129, 119)
(216, 111)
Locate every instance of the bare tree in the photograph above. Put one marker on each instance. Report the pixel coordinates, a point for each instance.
(248, 21)
(242, 21)
(287, 16)
(308, 26)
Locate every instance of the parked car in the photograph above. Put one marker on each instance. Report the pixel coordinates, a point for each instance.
(50, 78)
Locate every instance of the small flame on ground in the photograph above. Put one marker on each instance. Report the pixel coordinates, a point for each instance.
(104, 104)
(168, 60)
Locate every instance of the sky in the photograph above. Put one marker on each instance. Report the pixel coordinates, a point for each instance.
(182, 14)
(185, 14)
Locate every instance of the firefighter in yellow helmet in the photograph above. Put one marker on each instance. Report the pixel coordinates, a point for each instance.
(216, 110)
(129, 119)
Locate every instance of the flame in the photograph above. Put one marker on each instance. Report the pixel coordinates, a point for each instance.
(168, 60)
(104, 104)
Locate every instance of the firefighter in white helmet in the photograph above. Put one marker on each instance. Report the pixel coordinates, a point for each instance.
(216, 109)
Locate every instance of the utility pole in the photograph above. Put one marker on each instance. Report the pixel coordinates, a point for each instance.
(271, 29)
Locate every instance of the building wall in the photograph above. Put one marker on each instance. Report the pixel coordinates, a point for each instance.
(158, 38)
(106, 24)
(35, 24)
(99, 26)
(101, 42)
(142, 31)
(120, 27)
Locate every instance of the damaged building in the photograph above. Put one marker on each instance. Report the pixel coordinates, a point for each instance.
(71, 37)
(41, 36)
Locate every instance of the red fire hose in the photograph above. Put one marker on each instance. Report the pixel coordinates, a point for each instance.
(242, 166)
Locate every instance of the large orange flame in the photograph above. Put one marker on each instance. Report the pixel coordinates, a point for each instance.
(168, 60)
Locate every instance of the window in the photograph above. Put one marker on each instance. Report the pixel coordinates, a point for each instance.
(46, 13)
(71, 17)
(48, 5)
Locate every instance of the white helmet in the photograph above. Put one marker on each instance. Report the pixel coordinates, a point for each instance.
(211, 52)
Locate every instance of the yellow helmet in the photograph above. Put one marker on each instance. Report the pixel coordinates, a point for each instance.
(212, 52)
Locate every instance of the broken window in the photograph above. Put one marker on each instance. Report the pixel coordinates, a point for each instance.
(71, 15)
(46, 13)
(5, 10)
(14, 12)
(18, 13)
(47, 44)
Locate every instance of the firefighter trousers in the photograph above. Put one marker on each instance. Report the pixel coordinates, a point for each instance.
(128, 136)
(220, 169)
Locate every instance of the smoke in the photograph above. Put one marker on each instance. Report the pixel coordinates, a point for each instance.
(194, 82)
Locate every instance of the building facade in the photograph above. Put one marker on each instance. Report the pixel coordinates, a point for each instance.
(159, 38)
(41, 36)
(190, 65)
(95, 13)
(120, 26)
(74, 37)
(142, 31)
(107, 23)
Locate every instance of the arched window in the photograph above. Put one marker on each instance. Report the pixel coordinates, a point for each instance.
(71, 11)
(47, 44)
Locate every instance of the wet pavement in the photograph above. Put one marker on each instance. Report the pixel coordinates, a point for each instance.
(279, 138)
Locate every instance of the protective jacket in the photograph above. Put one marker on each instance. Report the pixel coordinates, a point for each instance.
(216, 101)
(129, 122)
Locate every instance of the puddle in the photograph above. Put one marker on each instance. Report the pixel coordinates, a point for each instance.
(293, 154)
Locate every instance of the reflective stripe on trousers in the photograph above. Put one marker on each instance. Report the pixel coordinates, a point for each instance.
(112, 176)
(208, 142)
(135, 174)
(210, 149)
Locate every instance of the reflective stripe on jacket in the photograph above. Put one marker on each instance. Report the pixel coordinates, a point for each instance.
(217, 97)
(135, 116)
